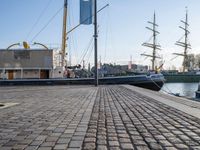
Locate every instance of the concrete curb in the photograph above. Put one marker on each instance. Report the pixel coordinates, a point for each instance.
(188, 106)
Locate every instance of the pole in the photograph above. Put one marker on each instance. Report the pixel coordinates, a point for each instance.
(95, 44)
(64, 33)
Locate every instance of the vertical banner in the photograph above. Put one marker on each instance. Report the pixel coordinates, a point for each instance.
(66, 3)
(86, 11)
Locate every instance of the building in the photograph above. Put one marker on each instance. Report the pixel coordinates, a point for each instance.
(26, 64)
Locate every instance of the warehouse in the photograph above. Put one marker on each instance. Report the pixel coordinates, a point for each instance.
(26, 64)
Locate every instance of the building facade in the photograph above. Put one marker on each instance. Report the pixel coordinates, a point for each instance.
(26, 64)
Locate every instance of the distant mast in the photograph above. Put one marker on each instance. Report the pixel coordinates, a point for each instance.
(64, 34)
(154, 44)
(186, 45)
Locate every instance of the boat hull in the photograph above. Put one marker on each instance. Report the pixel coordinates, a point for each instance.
(152, 83)
(155, 86)
(182, 78)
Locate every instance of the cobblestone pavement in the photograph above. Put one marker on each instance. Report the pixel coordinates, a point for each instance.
(123, 119)
(77, 117)
(46, 117)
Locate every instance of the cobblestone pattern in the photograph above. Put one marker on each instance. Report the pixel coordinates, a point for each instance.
(124, 119)
(47, 118)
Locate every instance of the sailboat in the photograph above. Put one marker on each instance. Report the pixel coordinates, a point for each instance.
(187, 74)
(154, 46)
(152, 82)
(186, 45)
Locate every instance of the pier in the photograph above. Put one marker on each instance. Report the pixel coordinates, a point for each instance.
(87, 117)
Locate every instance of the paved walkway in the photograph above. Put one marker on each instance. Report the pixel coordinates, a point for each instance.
(77, 117)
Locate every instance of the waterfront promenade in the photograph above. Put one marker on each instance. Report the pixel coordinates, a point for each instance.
(104, 117)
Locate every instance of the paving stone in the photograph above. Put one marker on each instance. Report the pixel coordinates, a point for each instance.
(114, 148)
(181, 146)
(90, 140)
(6, 148)
(41, 138)
(60, 146)
(126, 146)
(73, 149)
(177, 132)
(124, 140)
(19, 147)
(150, 140)
(89, 146)
(79, 134)
(44, 148)
(159, 137)
(197, 138)
(155, 146)
(112, 138)
(75, 144)
(165, 143)
(101, 147)
(48, 144)
(59, 130)
(63, 140)
(66, 135)
(170, 148)
(135, 138)
(106, 117)
(52, 139)
(26, 141)
(31, 148)
(101, 142)
(175, 140)
(142, 148)
(196, 147)
(113, 143)
(139, 143)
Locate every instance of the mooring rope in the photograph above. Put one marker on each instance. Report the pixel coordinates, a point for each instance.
(168, 92)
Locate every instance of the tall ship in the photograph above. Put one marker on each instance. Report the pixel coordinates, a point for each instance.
(187, 74)
(154, 44)
(29, 66)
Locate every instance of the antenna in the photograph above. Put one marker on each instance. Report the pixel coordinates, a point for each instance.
(154, 44)
(185, 44)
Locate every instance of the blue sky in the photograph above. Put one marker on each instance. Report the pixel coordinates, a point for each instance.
(121, 27)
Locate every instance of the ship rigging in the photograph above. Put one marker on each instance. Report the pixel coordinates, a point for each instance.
(185, 44)
(154, 44)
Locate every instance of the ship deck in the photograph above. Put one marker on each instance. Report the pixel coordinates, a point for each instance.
(104, 117)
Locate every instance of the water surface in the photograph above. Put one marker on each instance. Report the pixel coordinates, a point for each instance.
(184, 89)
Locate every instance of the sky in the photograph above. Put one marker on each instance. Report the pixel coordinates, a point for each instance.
(121, 28)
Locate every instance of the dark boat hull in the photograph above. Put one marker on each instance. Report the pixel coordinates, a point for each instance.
(182, 78)
(155, 86)
(153, 83)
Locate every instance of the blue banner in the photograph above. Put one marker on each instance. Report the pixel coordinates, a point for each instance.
(86, 11)
(66, 2)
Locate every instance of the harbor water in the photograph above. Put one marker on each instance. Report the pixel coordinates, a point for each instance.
(183, 89)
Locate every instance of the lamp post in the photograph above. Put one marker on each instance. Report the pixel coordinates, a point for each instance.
(96, 82)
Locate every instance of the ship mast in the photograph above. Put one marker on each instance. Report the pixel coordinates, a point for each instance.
(186, 45)
(154, 44)
(64, 34)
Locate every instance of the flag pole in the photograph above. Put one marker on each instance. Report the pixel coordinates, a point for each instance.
(95, 45)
